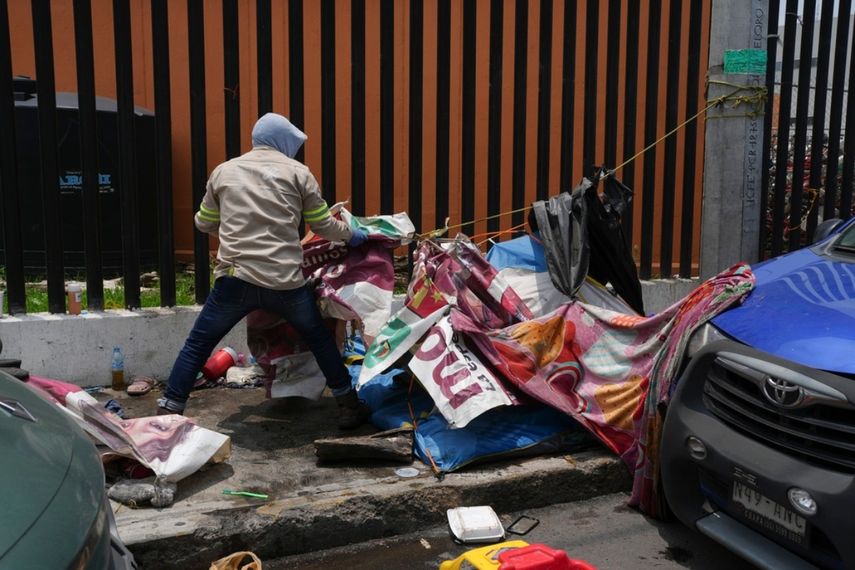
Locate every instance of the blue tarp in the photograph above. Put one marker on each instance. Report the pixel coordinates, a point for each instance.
(502, 432)
(522, 253)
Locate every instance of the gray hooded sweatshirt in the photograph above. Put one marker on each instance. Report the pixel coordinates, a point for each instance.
(254, 203)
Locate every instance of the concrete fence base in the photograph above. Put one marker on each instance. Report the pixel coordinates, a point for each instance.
(78, 349)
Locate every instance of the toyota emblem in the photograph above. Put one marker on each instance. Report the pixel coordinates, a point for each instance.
(783, 393)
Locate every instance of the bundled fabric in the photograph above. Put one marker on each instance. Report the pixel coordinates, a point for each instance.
(350, 284)
(454, 275)
(609, 371)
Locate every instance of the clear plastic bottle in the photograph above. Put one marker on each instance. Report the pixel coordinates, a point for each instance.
(118, 368)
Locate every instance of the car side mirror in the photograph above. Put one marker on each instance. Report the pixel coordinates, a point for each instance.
(825, 229)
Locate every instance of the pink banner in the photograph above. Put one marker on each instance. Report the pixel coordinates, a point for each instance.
(605, 369)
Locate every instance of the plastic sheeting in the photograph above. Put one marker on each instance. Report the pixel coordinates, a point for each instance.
(499, 433)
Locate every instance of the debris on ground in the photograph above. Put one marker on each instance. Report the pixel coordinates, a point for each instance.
(236, 562)
(392, 445)
(137, 493)
(172, 447)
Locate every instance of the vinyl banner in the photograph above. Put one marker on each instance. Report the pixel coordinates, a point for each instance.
(461, 386)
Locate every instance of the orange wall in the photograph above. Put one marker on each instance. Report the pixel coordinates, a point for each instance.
(63, 32)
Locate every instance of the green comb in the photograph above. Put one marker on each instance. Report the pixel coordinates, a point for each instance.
(245, 494)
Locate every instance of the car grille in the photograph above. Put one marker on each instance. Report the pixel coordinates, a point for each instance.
(822, 433)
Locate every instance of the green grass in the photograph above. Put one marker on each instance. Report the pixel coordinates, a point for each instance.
(185, 293)
(37, 297)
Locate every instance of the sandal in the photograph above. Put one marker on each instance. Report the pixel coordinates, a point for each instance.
(141, 385)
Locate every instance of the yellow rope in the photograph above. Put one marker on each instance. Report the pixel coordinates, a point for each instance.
(757, 97)
(439, 231)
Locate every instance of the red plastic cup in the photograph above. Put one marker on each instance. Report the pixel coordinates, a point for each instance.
(219, 363)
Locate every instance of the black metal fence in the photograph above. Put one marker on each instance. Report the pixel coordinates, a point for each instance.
(809, 157)
(537, 109)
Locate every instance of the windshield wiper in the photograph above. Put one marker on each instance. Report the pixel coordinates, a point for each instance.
(846, 248)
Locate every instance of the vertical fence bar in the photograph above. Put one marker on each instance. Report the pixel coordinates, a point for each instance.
(820, 101)
(328, 119)
(837, 91)
(88, 153)
(651, 105)
(11, 204)
(568, 81)
(357, 39)
(612, 69)
(494, 145)
(264, 45)
(800, 140)
(163, 149)
(46, 92)
(589, 140)
(296, 83)
(630, 111)
(416, 110)
(672, 102)
(519, 118)
(784, 107)
(443, 103)
(127, 152)
(771, 64)
(689, 160)
(198, 140)
(387, 106)
(231, 75)
(467, 147)
(544, 95)
(848, 148)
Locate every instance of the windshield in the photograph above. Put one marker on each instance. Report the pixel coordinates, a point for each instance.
(847, 239)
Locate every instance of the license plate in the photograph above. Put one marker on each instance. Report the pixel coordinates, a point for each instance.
(768, 514)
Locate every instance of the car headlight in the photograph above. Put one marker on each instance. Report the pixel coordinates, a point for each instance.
(702, 336)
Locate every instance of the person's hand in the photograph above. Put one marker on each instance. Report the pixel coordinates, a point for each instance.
(358, 237)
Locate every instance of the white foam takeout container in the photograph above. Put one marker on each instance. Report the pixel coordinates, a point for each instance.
(475, 524)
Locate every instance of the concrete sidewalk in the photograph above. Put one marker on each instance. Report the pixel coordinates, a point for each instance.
(315, 506)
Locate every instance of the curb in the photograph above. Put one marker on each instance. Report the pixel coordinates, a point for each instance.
(339, 514)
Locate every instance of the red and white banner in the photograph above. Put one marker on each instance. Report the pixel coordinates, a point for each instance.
(459, 383)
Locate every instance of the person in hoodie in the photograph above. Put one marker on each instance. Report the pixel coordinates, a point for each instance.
(254, 203)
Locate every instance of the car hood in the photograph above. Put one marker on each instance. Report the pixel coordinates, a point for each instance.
(36, 448)
(802, 309)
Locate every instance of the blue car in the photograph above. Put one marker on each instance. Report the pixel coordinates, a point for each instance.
(758, 448)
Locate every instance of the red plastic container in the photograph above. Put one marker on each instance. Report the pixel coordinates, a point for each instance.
(219, 363)
(539, 557)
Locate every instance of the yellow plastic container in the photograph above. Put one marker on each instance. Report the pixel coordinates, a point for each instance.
(484, 558)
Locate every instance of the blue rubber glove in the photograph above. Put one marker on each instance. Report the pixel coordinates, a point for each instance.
(358, 237)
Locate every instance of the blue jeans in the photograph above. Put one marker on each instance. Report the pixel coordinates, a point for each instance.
(232, 299)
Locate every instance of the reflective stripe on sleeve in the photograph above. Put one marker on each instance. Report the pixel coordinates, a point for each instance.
(317, 214)
(208, 213)
(206, 217)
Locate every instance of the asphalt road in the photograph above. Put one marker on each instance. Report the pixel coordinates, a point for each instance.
(602, 531)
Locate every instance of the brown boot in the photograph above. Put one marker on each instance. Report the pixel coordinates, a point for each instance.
(352, 412)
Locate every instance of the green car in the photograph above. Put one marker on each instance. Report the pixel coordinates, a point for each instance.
(55, 512)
